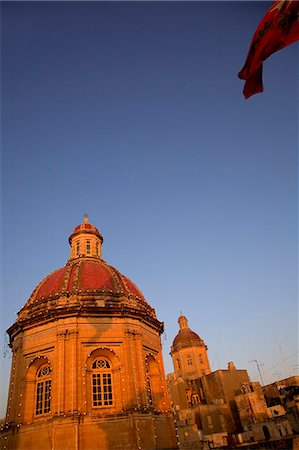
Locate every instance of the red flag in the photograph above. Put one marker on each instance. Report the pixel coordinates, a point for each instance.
(279, 28)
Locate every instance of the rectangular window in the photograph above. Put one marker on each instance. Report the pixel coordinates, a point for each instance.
(43, 397)
(101, 389)
(77, 248)
(47, 396)
(107, 389)
(88, 247)
(149, 388)
(39, 398)
(96, 389)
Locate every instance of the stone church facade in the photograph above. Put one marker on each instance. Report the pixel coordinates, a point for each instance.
(87, 368)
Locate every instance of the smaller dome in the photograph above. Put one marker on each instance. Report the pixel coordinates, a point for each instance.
(186, 337)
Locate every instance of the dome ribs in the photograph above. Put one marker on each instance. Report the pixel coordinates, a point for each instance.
(115, 274)
(95, 275)
(51, 284)
(86, 277)
(74, 277)
(131, 287)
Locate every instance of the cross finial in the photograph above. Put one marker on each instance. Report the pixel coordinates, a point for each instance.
(85, 220)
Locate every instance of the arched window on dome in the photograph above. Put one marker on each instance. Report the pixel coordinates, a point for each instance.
(102, 389)
(200, 359)
(78, 248)
(97, 248)
(43, 390)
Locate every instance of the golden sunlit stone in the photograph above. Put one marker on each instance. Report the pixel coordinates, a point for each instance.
(87, 367)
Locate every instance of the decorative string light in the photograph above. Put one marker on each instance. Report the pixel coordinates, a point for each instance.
(73, 344)
(154, 431)
(83, 377)
(61, 335)
(131, 337)
(163, 384)
(123, 388)
(11, 390)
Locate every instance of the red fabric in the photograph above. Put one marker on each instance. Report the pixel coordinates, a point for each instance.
(279, 28)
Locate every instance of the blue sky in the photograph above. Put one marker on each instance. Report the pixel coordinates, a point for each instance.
(133, 112)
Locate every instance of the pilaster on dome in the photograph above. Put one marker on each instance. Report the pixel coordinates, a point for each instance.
(86, 240)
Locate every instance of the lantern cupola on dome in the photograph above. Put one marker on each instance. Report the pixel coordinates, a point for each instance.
(86, 240)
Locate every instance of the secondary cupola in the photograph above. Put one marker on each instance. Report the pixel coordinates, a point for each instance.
(189, 353)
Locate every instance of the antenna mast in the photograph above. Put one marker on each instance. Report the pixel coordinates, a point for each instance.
(288, 371)
(258, 365)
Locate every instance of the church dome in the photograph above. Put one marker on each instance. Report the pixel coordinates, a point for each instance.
(86, 284)
(87, 352)
(85, 276)
(186, 337)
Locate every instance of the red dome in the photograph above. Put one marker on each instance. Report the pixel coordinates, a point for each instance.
(82, 276)
(187, 338)
(86, 286)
